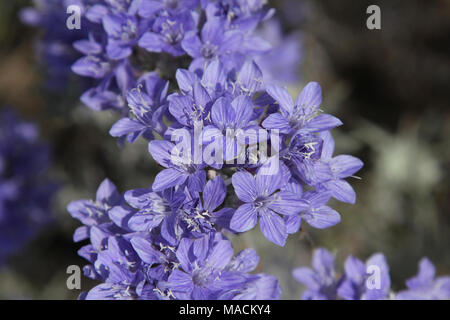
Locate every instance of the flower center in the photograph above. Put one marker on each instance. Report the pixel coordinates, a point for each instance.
(261, 202)
(172, 31)
(202, 277)
(208, 50)
(129, 31)
(305, 146)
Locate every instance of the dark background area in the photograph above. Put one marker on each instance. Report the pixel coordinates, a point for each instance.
(390, 87)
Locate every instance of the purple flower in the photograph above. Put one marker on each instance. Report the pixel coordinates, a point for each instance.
(110, 93)
(100, 98)
(167, 34)
(215, 41)
(214, 79)
(154, 209)
(158, 260)
(321, 279)
(258, 287)
(123, 33)
(26, 191)
(180, 168)
(118, 265)
(304, 115)
(192, 109)
(302, 157)
(249, 81)
(115, 250)
(146, 106)
(231, 125)
(369, 281)
(97, 9)
(318, 215)
(281, 64)
(166, 241)
(94, 63)
(94, 213)
(341, 167)
(193, 105)
(244, 14)
(263, 200)
(314, 210)
(203, 272)
(54, 45)
(425, 285)
(200, 214)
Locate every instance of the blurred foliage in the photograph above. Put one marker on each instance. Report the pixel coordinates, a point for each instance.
(389, 86)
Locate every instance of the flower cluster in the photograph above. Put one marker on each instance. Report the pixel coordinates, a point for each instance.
(142, 246)
(25, 189)
(200, 81)
(194, 78)
(367, 281)
(119, 41)
(224, 126)
(227, 137)
(125, 39)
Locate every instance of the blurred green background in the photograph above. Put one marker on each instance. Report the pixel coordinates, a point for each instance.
(390, 87)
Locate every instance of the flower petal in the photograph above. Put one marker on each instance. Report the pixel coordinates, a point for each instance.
(184, 254)
(277, 121)
(107, 193)
(341, 190)
(192, 45)
(220, 255)
(345, 166)
(168, 178)
(288, 203)
(322, 217)
(311, 96)
(244, 186)
(307, 277)
(250, 78)
(245, 261)
(125, 126)
(243, 110)
(327, 146)
(281, 96)
(161, 151)
(322, 122)
(293, 223)
(244, 218)
(145, 250)
(378, 260)
(270, 177)
(186, 80)
(425, 275)
(214, 193)
(151, 41)
(273, 227)
(180, 281)
(220, 114)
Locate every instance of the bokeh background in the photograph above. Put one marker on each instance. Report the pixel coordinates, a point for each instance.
(390, 87)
